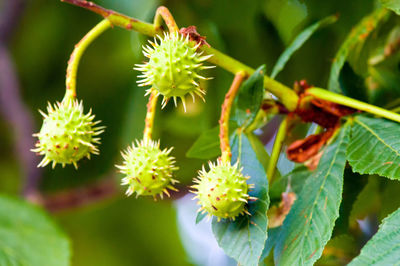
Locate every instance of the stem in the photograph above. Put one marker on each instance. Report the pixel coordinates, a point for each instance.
(117, 19)
(288, 97)
(276, 150)
(151, 112)
(225, 114)
(76, 55)
(346, 101)
(396, 110)
(80, 196)
(163, 13)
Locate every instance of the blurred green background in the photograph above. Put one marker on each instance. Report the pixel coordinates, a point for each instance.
(116, 230)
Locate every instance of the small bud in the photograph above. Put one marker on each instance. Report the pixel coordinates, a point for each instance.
(67, 134)
(148, 169)
(222, 191)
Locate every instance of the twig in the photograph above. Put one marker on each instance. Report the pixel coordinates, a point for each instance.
(276, 150)
(353, 103)
(73, 63)
(151, 111)
(286, 95)
(78, 197)
(163, 13)
(225, 114)
(117, 19)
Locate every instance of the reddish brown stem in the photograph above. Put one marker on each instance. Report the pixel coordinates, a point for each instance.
(163, 13)
(116, 18)
(225, 114)
(151, 111)
(80, 196)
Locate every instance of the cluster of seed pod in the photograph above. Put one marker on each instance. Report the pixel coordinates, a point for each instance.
(173, 71)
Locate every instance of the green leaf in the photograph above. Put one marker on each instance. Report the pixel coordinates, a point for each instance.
(299, 41)
(206, 146)
(273, 234)
(286, 16)
(310, 222)
(248, 101)
(244, 238)
(29, 237)
(296, 179)
(384, 247)
(374, 147)
(260, 151)
(200, 216)
(356, 37)
(393, 5)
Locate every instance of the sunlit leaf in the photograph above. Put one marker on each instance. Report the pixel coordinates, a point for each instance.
(393, 5)
(29, 237)
(244, 238)
(310, 222)
(200, 216)
(295, 180)
(206, 146)
(298, 42)
(357, 36)
(374, 147)
(249, 98)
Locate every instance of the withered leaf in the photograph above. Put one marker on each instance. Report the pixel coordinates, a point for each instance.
(277, 214)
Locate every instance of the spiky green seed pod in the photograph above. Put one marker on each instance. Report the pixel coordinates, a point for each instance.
(222, 191)
(67, 134)
(173, 68)
(147, 169)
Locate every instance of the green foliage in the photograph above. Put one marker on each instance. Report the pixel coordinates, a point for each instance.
(249, 98)
(309, 225)
(249, 232)
(393, 5)
(374, 147)
(295, 180)
(255, 32)
(29, 237)
(298, 42)
(355, 40)
(206, 146)
(384, 247)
